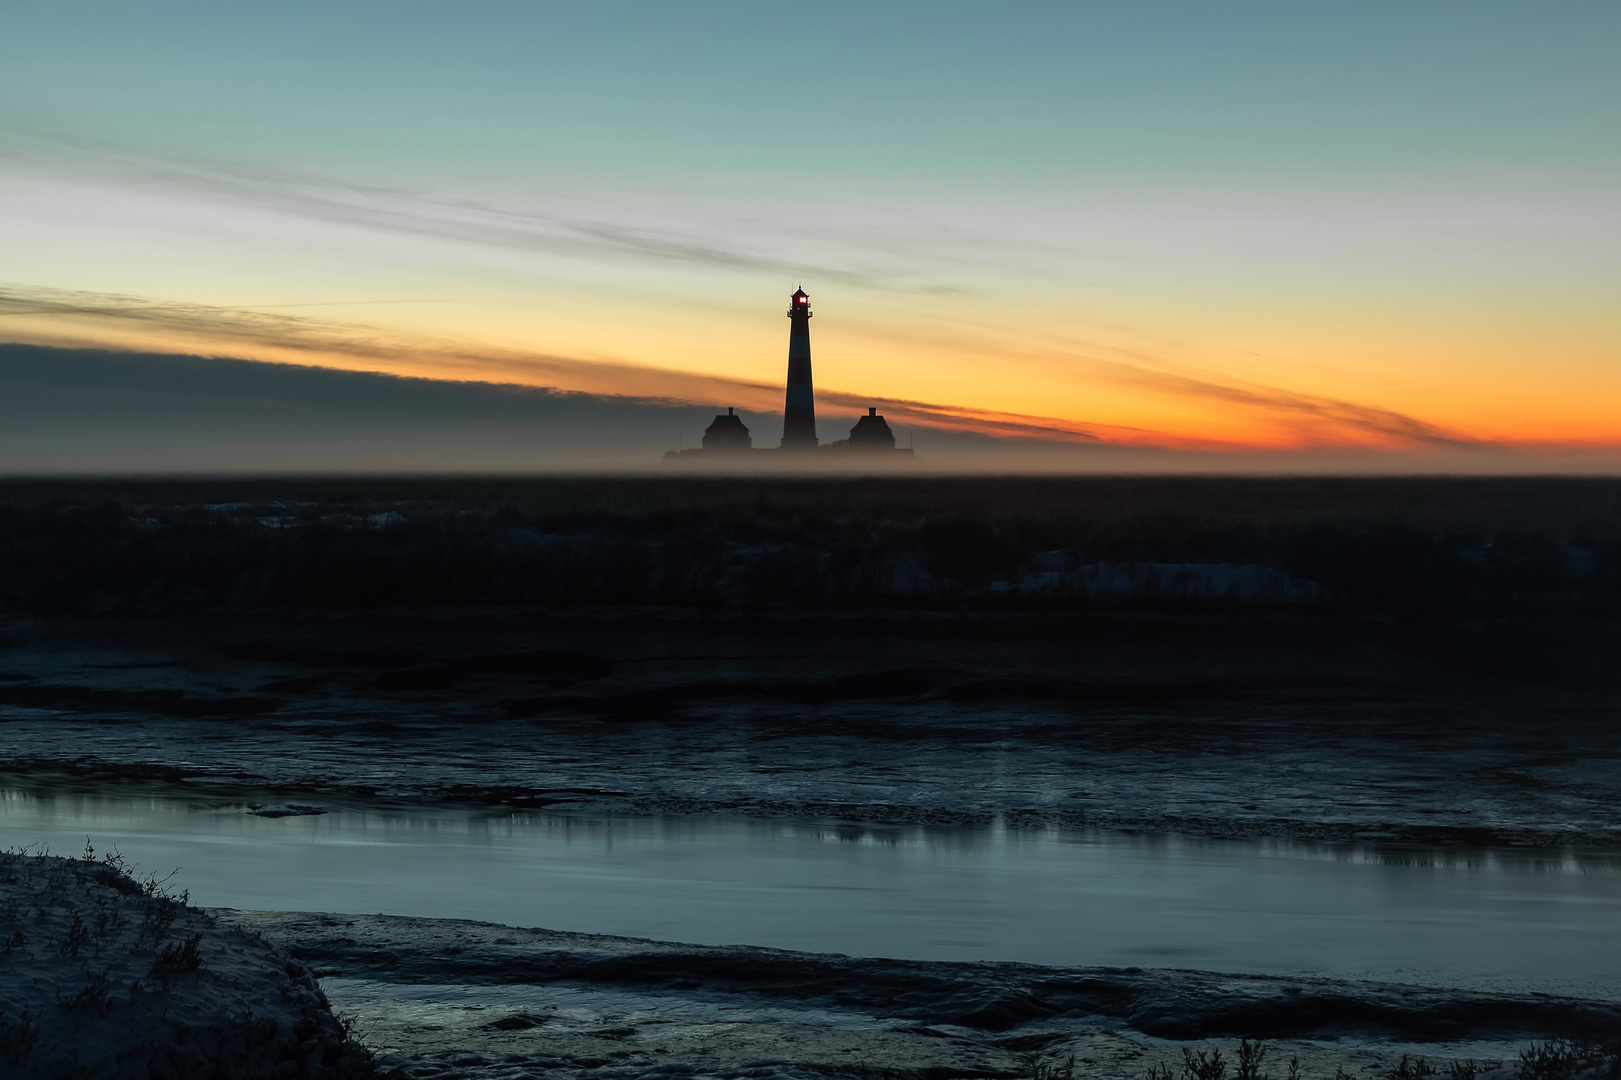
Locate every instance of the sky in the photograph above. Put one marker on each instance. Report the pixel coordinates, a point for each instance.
(1274, 233)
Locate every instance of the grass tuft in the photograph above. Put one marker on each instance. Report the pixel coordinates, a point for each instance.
(176, 959)
(1056, 1069)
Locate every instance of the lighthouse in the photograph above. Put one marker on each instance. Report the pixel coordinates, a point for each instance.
(728, 442)
(799, 410)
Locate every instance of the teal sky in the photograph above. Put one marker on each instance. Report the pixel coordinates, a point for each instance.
(957, 96)
(1182, 224)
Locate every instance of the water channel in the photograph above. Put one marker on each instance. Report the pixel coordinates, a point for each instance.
(1486, 918)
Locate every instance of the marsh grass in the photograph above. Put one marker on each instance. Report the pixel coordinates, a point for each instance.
(161, 906)
(1413, 549)
(1055, 1069)
(1555, 1060)
(1562, 1059)
(176, 959)
(92, 996)
(1203, 1064)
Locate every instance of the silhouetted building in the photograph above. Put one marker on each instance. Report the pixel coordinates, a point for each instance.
(728, 433)
(799, 409)
(872, 433)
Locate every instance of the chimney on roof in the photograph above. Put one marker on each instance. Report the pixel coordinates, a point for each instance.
(728, 433)
(871, 432)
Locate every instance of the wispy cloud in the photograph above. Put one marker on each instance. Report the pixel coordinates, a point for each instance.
(66, 317)
(1311, 414)
(219, 323)
(405, 212)
(1162, 368)
(228, 331)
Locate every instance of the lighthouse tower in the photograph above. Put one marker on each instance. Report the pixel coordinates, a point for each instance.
(799, 411)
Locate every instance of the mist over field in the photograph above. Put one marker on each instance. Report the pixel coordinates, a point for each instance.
(100, 412)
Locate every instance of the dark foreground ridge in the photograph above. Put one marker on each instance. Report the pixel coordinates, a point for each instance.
(106, 975)
(563, 1001)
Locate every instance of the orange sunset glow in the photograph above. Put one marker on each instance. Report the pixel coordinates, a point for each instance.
(1362, 286)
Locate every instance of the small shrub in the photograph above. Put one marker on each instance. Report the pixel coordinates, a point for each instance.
(17, 1039)
(1205, 1065)
(114, 861)
(93, 996)
(176, 959)
(1556, 1059)
(158, 918)
(1249, 1059)
(72, 941)
(1053, 1070)
(1410, 1069)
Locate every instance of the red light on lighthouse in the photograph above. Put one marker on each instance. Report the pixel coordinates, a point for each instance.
(799, 404)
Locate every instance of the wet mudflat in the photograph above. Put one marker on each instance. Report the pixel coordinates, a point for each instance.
(457, 998)
(1492, 919)
(1233, 727)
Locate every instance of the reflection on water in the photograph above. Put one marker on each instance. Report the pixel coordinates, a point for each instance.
(1544, 920)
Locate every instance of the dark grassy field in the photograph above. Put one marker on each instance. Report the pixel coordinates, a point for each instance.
(1412, 549)
(1518, 577)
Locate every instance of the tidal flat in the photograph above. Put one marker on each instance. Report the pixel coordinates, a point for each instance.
(1412, 677)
